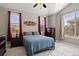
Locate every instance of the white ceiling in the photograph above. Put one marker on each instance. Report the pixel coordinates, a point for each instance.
(52, 8)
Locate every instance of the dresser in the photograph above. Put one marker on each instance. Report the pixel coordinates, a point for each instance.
(50, 32)
(2, 45)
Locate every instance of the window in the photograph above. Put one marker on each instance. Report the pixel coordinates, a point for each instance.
(71, 24)
(14, 23)
(42, 25)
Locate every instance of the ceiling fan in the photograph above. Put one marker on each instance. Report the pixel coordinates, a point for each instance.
(40, 5)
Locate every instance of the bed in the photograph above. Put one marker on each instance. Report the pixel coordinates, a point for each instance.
(36, 43)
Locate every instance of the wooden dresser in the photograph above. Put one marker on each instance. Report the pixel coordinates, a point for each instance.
(2, 45)
(50, 32)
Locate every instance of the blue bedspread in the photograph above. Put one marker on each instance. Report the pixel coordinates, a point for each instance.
(35, 43)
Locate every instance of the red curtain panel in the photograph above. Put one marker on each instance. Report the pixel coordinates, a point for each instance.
(44, 25)
(39, 29)
(9, 34)
(20, 31)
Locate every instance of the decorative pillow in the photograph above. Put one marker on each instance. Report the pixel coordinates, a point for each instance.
(27, 33)
(35, 33)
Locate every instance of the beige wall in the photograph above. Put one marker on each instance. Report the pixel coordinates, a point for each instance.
(25, 16)
(52, 21)
(55, 23)
(3, 21)
(32, 17)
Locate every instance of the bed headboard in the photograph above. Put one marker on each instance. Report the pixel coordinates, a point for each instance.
(31, 33)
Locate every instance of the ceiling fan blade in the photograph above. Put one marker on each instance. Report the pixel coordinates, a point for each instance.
(35, 5)
(44, 5)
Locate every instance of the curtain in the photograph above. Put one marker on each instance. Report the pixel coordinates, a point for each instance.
(20, 31)
(39, 29)
(44, 25)
(9, 34)
(60, 27)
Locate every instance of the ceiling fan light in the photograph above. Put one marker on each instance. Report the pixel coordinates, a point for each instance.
(40, 4)
(40, 1)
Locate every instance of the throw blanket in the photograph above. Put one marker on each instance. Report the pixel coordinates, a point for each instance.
(35, 43)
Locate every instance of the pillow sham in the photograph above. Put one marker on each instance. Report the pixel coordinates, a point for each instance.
(27, 33)
(35, 33)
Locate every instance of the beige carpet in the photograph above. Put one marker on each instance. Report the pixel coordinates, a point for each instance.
(61, 49)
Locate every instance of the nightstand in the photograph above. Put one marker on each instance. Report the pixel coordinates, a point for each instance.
(50, 32)
(16, 42)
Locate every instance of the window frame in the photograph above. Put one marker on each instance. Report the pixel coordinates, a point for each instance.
(15, 13)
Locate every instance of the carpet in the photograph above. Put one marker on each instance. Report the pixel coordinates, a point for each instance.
(61, 49)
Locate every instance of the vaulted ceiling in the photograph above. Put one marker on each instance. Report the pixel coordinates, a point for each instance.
(52, 8)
